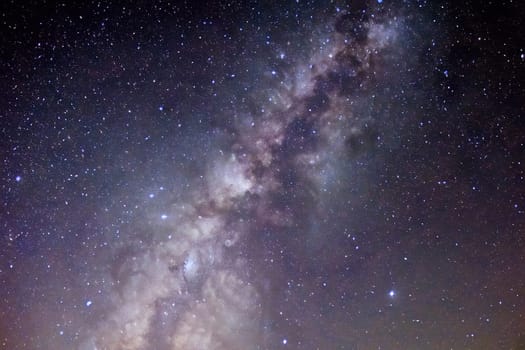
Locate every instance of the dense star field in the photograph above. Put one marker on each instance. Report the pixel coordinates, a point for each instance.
(258, 175)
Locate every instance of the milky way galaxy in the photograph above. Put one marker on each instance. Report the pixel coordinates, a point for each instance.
(296, 137)
(237, 176)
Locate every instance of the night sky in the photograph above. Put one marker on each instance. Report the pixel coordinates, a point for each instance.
(257, 175)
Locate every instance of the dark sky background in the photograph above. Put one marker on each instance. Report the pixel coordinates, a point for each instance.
(258, 175)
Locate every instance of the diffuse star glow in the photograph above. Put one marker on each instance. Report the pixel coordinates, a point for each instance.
(217, 307)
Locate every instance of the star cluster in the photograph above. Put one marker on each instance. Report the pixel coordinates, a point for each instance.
(240, 175)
